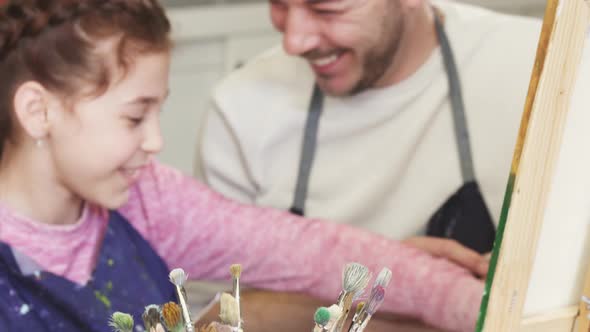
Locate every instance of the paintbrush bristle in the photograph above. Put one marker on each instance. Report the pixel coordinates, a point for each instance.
(360, 306)
(335, 312)
(121, 322)
(236, 270)
(375, 300)
(229, 313)
(383, 278)
(172, 316)
(151, 316)
(322, 316)
(178, 277)
(355, 277)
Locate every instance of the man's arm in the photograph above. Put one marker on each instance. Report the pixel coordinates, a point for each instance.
(453, 251)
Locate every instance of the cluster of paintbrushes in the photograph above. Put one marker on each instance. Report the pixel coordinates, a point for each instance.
(173, 317)
(170, 317)
(354, 280)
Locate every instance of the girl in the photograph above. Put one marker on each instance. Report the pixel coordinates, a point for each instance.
(90, 223)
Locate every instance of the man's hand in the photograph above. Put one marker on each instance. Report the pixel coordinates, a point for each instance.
(453, 251)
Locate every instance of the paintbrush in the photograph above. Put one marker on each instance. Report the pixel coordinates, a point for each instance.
(121, 322)
(321, 319)
(383, 279)
(172, 317)
(375, 301)
(178, 277)
(355, 278)
(335, 314)
(236, 271)
(151, 317)
(360, 309)
(228, 312)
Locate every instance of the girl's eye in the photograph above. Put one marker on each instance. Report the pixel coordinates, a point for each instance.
(135, 121)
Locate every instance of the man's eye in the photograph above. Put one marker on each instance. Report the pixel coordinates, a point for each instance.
(326, 12)
(336, 6)
(331, 9)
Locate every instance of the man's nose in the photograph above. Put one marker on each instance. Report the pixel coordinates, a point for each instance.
(301, 33)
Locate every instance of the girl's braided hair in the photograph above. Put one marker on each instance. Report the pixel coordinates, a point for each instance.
(54, 42)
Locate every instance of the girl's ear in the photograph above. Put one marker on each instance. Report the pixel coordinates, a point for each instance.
(30, 106)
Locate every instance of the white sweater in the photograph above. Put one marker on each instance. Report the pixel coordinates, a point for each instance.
(386, 158)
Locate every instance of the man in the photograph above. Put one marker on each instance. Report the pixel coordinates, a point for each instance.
(410, 131)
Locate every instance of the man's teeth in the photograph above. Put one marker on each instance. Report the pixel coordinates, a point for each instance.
(325, 60)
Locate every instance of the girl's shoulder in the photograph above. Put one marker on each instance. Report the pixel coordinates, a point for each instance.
(161, 198)
(160, 185)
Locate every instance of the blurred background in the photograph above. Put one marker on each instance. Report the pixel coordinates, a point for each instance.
(213, 37)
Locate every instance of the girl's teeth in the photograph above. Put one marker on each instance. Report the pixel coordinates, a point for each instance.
(326, 60)
(131, 173)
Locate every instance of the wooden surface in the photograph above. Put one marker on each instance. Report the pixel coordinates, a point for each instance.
(286, 312)
(536, 156)
(553, 321)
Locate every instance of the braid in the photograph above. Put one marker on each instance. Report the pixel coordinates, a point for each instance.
(27, 19)
(21, 19)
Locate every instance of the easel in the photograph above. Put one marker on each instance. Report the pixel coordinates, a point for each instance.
(534, 164)
(583, 321)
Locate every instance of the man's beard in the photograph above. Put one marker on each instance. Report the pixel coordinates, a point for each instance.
(378, 60)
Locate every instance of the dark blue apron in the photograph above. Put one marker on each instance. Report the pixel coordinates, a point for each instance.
(128, 275)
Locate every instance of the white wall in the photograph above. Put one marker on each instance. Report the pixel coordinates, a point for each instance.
(210, 42)
(519, 7)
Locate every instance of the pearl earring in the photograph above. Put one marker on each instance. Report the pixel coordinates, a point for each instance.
(39, 143)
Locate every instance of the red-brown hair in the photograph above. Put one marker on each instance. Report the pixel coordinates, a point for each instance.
(53, 42)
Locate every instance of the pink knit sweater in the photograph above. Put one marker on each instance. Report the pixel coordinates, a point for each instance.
(196, 229)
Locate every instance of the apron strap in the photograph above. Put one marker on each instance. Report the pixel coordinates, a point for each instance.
(457, 106)
(308, 151)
